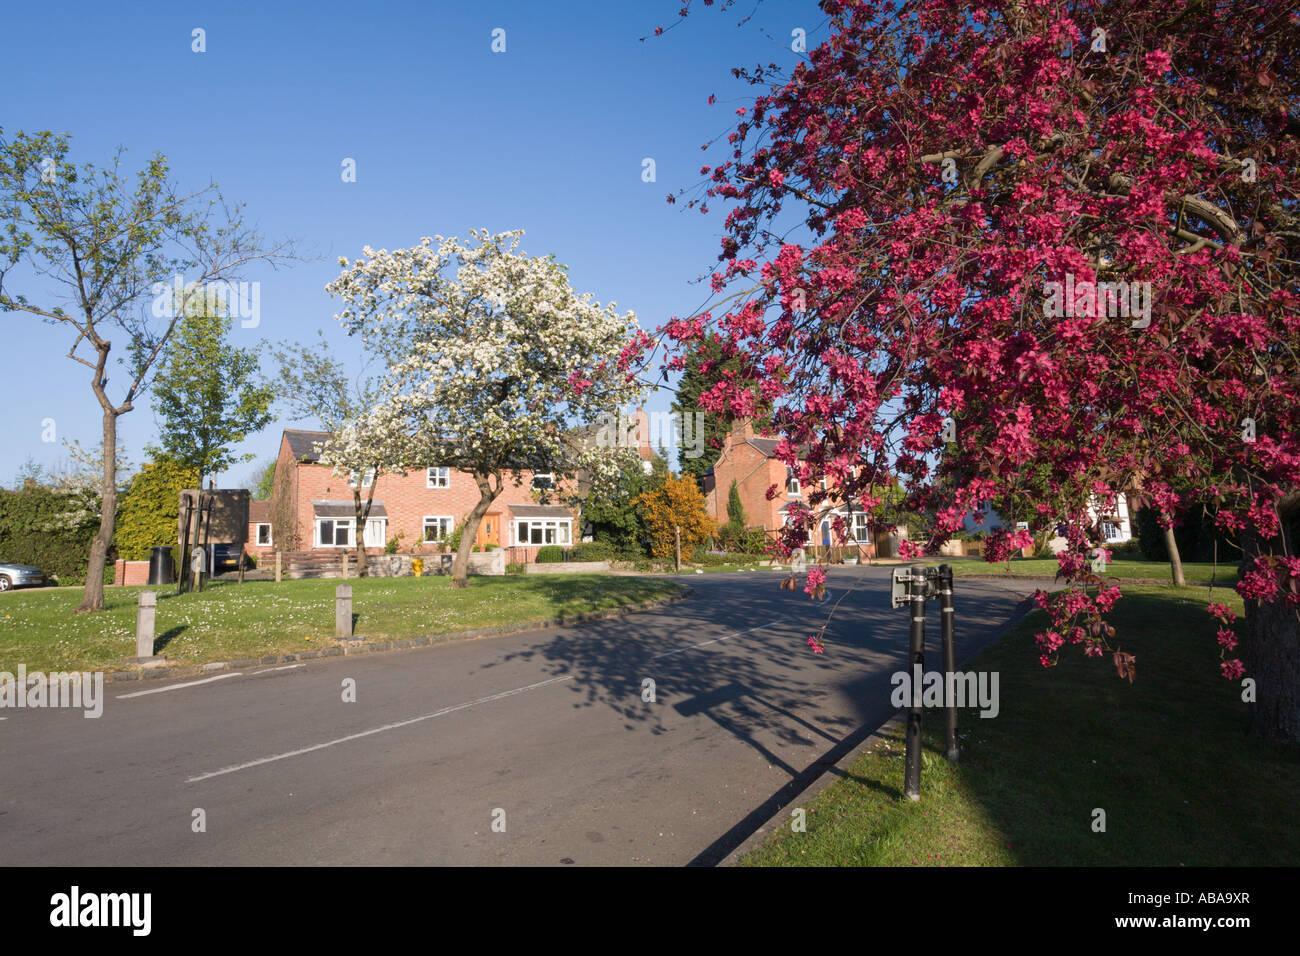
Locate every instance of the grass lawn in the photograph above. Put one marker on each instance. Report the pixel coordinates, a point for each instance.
(230, 621)
(1123, 567)
(1166, 758)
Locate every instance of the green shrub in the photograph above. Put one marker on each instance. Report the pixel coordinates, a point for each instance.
(514, 569)
(591, 551)
(45, 528)
(394, 543)
(550, 554)
(452, 541)
(148, 515)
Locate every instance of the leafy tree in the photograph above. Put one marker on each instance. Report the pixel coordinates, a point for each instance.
(262, 484)
(109, 241)
(612, 511)
(207, 394)
(365, 437)
(679, 503)
(735, 510)
(492, 358)
(1080, 247)
(701, 371)
(150, 511)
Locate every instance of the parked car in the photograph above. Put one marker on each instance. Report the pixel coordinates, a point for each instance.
(226, 557)
(20, 576)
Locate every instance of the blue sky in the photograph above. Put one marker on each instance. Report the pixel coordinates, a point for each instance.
(548, 136)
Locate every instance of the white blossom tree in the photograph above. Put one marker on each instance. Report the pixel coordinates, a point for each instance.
(493, 359)
(365, 437)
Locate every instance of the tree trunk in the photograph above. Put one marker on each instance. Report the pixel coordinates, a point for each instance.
(469, 531)
(1270, 645)
(1175, 559)
(92, 596)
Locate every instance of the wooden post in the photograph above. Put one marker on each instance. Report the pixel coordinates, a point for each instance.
(144, 624)
(679, 548)
(345, 565)
(343, 610)
(278, 555)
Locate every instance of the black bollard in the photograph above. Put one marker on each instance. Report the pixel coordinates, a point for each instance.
(949, 658)
(916, 664)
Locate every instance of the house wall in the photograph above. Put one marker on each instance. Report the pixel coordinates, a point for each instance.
(407, 500)
(753, 474)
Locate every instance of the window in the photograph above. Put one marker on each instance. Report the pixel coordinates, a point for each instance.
(438, 527)
(264, 534)
(376, 531)
(543, 531)
(543, 480)
(1112, 531)
(861, 532)
(791, 482)
(438, 478)
(334, 532)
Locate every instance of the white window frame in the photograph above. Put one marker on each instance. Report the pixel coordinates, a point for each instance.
(352, 532)
(257, 534)
(549, 476)
(447, 528)
(382, 521)
(792, 478)
(441, 480)
(861, 527)
(367, 478)
(549, 531)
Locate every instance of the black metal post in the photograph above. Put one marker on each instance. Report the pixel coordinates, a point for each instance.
(185, 546)
(949, 658)
(206, 536)
(916, 588)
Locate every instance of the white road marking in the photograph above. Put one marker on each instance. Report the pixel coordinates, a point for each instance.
(716, 640)
(378, 730)
(188, 683)
(285, 667)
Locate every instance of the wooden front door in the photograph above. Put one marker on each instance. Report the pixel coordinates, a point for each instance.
(489, 530)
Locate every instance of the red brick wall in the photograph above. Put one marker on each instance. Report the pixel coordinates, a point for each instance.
(407, 500)
(130, 573)
(754, 474)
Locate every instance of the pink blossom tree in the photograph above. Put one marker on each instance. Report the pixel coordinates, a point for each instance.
(1037, 254)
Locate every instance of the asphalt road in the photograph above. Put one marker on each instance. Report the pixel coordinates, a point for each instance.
(545, 733)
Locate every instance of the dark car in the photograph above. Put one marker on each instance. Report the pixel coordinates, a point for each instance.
(225, 557)
(20, 576)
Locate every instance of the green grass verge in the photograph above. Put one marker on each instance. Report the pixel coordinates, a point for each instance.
(1120, 569)
(230, 621)
(1167, 758)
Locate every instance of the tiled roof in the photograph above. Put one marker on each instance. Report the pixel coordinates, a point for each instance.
(767, 446)
(301, 442)
(346, 509)
(259, 512)
(540, 511)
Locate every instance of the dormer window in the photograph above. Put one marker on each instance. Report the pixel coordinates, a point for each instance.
(791, 482)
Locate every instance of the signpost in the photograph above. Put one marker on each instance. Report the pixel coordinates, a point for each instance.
(911, 588)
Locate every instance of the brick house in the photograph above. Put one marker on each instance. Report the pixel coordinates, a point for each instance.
(311, 508)
(750, 461)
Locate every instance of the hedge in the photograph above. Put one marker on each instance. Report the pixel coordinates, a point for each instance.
(30, 534)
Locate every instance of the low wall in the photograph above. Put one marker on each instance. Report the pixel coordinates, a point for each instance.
(567, 567)
(480, 562)
(131, 573)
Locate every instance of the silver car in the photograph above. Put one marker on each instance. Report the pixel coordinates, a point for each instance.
(20, 576)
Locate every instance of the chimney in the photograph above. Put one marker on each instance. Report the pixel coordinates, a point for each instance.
(742, 429)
